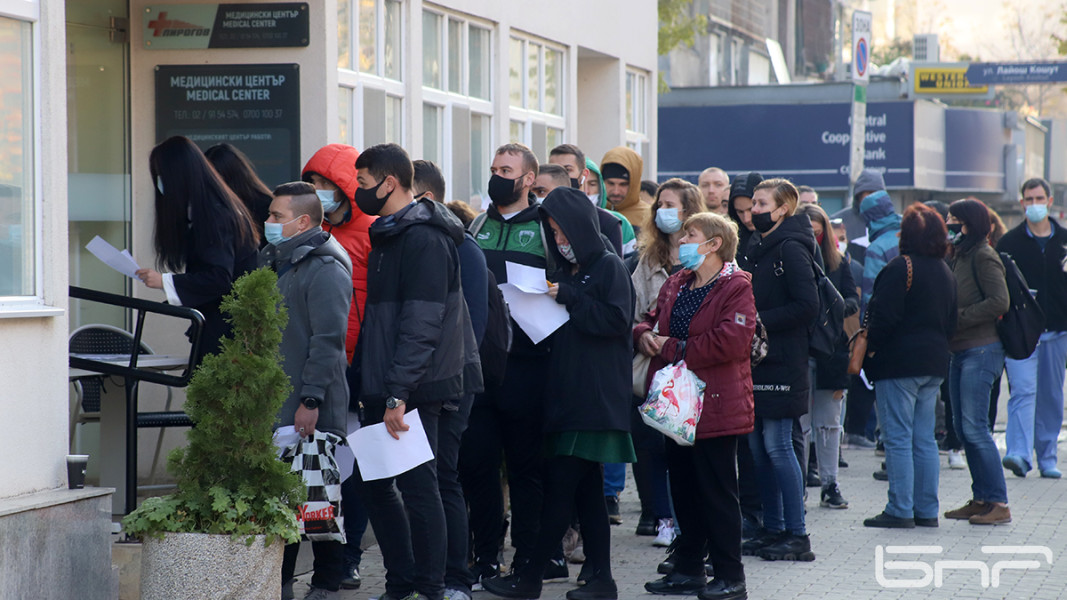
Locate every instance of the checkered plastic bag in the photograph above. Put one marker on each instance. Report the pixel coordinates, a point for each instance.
(320, 517)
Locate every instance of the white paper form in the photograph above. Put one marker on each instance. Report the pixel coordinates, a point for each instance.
(538, 315)
(528, 279)
(380, 456)
(120, 261)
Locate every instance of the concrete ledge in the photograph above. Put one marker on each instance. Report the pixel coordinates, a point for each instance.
(48, 498)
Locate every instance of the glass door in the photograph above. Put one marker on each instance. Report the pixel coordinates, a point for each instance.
(99, 195)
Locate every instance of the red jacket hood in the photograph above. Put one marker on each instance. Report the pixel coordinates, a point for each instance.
(336, 162)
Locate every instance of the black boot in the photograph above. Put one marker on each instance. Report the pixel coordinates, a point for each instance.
(677, 584)
(788, 547)
(514, 585)
(600, 587)
(764, 537)
(720, 589)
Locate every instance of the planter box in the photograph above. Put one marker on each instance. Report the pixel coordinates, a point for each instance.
(196, 566)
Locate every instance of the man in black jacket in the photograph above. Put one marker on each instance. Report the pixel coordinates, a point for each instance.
(417, 351)
(1035, 408)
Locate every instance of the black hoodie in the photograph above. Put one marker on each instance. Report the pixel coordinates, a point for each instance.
(417, 343)
(783, 282)
(589, 380)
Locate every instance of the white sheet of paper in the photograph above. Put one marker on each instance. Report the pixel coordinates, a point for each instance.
(120, 261)
(528, 279)
(284, 437)
(380, 456)
(537, 314)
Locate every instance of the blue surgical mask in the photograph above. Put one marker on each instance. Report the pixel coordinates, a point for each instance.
(273, 233)
(568, 253)
(690, 257)
(1035, 213)
(667, 220)
(327, 198)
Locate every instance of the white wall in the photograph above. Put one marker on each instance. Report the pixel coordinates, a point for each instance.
(33, 355)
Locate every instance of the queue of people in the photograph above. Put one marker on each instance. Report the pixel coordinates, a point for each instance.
(394, 306)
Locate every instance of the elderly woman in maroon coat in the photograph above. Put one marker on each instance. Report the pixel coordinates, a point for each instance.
(706, 315)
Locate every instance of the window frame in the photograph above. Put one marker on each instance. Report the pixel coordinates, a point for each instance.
(526, 115)
(638, 113)
(352, 78)
(32, 304)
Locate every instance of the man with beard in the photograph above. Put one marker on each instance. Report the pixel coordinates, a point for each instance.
(505, 421)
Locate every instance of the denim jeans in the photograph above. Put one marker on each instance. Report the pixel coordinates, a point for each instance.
(778, 474)
(826, 429)
(614, 478)
(1035, 408)
(906, 416)
(971, 374)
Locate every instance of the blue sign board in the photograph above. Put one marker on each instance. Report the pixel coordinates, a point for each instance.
(1020, 73)
(974, 149)
(805, 143)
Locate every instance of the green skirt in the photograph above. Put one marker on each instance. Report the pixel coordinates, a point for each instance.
(595, 446)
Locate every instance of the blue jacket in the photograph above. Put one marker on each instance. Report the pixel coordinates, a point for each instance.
(883, 225)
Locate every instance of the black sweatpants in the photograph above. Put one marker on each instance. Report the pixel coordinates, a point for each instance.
(329, 564)
(858, 404)
(704, 488)
(574, 484)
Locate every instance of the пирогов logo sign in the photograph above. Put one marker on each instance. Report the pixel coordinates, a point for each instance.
(924, 573)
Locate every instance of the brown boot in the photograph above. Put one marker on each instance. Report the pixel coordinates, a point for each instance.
(998, 515)
(972, 508)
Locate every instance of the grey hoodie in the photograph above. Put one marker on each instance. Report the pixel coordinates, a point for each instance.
(315, 279)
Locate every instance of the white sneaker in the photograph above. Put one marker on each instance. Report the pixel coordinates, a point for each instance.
(666, 533)
(956, 460)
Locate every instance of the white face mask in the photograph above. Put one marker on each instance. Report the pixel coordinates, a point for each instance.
(842, 246)
(594, 198)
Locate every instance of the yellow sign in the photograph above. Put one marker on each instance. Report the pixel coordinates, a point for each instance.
(945, 80)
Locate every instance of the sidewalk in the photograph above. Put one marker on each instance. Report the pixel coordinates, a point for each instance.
(845, 550)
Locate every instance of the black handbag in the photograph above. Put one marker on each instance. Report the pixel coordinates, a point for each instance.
(1020, 328)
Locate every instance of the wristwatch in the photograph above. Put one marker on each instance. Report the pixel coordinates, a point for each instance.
(393, 402)
(311, 403)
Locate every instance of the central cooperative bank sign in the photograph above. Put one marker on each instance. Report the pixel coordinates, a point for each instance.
(944, 79)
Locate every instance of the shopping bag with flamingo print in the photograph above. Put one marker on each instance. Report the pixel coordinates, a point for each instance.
(674, 402)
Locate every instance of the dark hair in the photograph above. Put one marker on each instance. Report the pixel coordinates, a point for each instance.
(557, 173)
(240, 176)
(1034, 182)
(922, 232)
(830, 254)
(386, 160)
(302, 200)
(571, 149)
(973, 213)
(996, 228)
(193, 187)
(649, 187)
(428, 178)
(462, 210)
(939, 206)
(529, 159)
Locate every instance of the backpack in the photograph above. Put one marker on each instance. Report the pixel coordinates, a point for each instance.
(1020, 328)
(829, 324)
(479, 221)
(496, 343)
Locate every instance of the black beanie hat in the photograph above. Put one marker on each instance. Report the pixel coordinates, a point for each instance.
(744, 184)
(614, 171)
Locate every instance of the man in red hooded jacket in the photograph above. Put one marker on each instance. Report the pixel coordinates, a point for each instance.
(332, 170)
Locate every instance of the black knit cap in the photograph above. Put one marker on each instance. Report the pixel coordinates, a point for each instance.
(614, 171)
(744, 184)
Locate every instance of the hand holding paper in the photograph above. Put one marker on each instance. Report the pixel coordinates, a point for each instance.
(380, 456)
(532, 306)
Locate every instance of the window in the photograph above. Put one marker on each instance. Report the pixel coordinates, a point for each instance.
(18, 195)
(456, 93)
(370, 67)
(536, 94)
(637, 101)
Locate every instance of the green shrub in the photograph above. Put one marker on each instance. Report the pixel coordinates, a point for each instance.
(230, 480)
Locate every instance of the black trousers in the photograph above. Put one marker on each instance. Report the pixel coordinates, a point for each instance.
(329, 564)
(505, 425)
(650, 470)
(450, 434)
(704, 489)
(748, 489)
(574, 484)
(411, 533)
(859, 403)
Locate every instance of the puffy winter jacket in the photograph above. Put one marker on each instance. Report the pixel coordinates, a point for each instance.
(717, 350)
(883, 225)
(337, 162)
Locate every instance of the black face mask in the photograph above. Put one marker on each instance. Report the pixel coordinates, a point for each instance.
(368, 201)
(575, 183)
(504, 192)
(763, 222)
(955, 233)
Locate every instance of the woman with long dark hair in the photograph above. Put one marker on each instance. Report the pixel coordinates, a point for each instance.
(910, 318)
(977, 358)
(240, 176)
(831, 373)
(204, 236)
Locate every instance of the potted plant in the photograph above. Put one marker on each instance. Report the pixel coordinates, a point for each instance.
(216, 536)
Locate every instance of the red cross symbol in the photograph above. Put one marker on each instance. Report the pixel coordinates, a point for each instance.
(162, 23)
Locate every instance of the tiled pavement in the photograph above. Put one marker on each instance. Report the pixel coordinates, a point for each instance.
(845, 564)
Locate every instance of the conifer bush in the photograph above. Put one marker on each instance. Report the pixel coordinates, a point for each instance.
(229, 478)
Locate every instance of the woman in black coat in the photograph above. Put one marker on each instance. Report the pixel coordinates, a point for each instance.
(783, 282)
(910, 319)
(831, 373)
(204, 235)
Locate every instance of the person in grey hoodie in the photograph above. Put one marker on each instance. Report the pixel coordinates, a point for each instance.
(315, 280)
